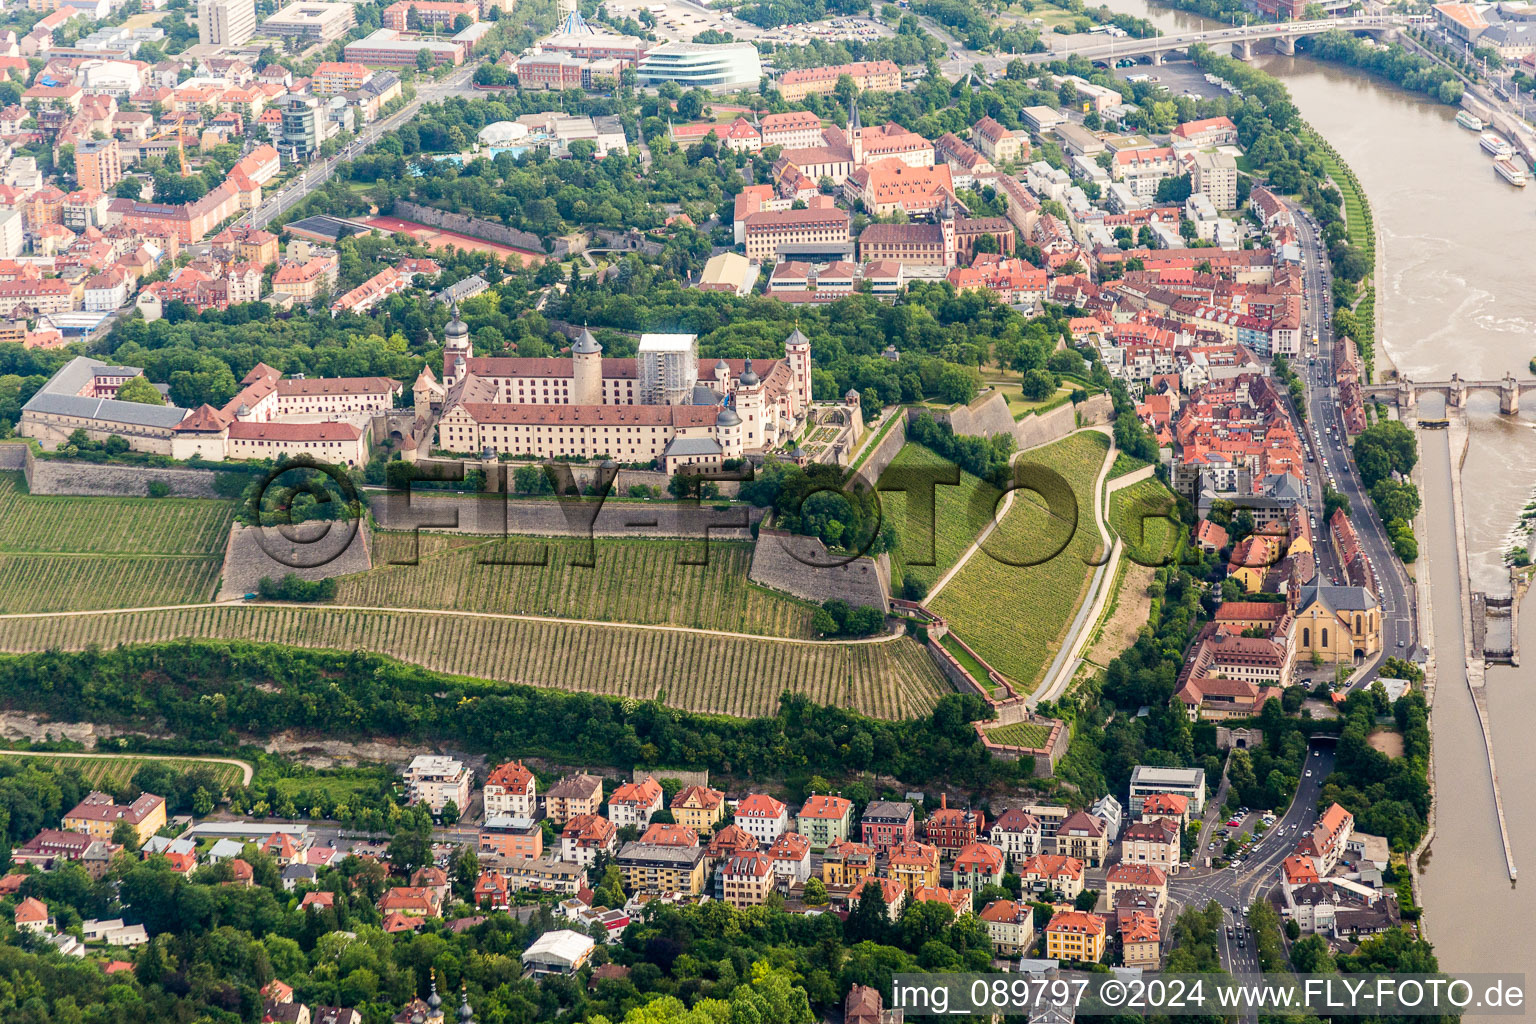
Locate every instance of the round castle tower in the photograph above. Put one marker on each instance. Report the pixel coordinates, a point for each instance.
(587, 357)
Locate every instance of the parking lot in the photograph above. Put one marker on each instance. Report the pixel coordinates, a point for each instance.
(682, 20)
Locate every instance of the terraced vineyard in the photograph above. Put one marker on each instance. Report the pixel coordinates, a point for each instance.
(1014, 615)
(961, 513)
(696, 671)
(62, 553)
(115, 770)
(1136, 516)
(640, 581)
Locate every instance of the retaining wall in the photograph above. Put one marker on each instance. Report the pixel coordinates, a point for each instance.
(780, 562)
(256, 551)
(885, 451)
(13, 455)
(475, 227)
(984, 418)
(495, 516)
(1052, 425)
(56, 476)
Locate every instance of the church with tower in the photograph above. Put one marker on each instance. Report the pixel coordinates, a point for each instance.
(664, 406)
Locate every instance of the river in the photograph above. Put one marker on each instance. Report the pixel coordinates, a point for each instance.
(1454, 296)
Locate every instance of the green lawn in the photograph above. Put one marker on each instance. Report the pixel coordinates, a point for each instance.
(960, 511)
(1015, 598)
(1020, 734)
(1137, 515)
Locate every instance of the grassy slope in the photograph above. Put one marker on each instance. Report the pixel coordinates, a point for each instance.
(1015, 615)
(961, 513)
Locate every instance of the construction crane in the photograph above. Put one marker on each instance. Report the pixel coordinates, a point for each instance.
(181, 153)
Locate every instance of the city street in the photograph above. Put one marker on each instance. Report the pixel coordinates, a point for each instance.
(318, 173)
(1334, 464)
(1236, 887)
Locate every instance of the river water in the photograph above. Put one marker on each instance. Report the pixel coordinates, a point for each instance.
(1454, 296)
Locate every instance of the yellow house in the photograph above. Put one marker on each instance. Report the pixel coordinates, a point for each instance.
(848, 863)
(649, 868)
(915, 865)
(1252, 558)
(1075, 935)
(98, 816)
(698, 807)
(1339, 624)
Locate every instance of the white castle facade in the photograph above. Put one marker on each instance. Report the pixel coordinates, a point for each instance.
(665, 405)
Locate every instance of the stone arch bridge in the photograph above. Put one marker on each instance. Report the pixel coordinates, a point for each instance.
(1241, 37)
(1406, 393)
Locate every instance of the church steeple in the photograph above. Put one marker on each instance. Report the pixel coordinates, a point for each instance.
(855, 130)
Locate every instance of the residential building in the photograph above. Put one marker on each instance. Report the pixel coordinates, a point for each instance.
(747, 879)
(333, 77)
(1082, 837)
(728, 842)
(1215, 176)
(1326, 841)
(655, 868)
(666, 834)
(585, 836)
(698, 807)
(1140, 878)
(32, 916)
(428, 14)
(1107, 809)
(1048, 872)
(508, 835)
(915, 865)
(572, 795)
(869, 76)
(1075, 935)
(1148, 781)
(431, 779)
(979, 865)
(98, 816)
(511, 790)
(633, 803)
(1010, 925)
(999, 144)
(847, 863)
(887, 823)
(1140, 944)
(1018, 834)
(953, 828)
(1166, 805)
(762, 817)
(98, 164)
(791, 854)
(1154, 842)
(225, 22)
(824, 820)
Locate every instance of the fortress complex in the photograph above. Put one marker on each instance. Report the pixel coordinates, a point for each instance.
(664, 405)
